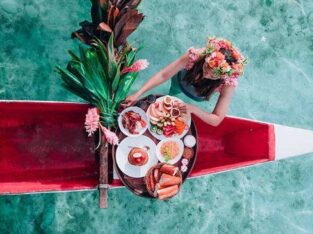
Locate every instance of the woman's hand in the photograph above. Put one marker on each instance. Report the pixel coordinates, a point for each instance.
(190, 108)
(131, 100)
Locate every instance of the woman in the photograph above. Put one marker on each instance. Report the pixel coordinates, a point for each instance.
(201, 72)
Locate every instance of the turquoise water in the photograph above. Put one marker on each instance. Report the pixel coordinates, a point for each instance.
(277, 36)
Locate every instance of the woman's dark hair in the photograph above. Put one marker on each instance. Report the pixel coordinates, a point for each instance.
(203, 86)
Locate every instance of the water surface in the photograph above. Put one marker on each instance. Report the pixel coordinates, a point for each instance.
(277, 36)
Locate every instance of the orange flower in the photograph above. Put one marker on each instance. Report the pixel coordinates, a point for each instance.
(236, 55)
(238, 67)
(212, 63)
(228, 43)
(219, 55)
(225, 66)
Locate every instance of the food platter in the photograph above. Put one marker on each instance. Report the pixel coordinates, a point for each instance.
(168, 117)
(134, 171)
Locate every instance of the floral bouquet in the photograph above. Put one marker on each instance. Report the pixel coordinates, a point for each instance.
(222, 60)
(104, 72)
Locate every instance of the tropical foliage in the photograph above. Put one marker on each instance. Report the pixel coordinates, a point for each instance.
(97, 76)
(118, 16)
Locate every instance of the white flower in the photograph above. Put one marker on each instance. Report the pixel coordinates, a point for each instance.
(184, 168)
(185, 161)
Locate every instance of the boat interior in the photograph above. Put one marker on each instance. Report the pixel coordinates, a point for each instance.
(44, 147)
(234, 143)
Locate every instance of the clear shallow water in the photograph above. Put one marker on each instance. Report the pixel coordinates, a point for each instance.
(277, 36)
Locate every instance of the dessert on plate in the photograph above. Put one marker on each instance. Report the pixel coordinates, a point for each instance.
(138, 156)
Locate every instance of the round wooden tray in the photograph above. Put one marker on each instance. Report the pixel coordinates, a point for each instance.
(137, 185)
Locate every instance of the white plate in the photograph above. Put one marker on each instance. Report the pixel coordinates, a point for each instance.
(125, 147)
(161, 137)
(178, 157)
(141, 113)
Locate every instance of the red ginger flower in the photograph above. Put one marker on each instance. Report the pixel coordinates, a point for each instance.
(139, 65)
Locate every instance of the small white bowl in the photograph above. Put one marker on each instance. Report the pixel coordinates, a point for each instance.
(177, 158)
(190, 141)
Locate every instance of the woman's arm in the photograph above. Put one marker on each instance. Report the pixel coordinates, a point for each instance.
(159, 78)
(220, 110)
(165, 74)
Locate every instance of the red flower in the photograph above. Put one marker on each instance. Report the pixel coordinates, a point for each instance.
(137, 66)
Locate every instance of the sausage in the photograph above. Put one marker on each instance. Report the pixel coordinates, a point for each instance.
(156, 174)
(151, 182)
(157, 186)
(169, 169)
(167, 192)
(168, 180)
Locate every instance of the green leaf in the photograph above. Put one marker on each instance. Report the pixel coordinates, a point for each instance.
(73, 55)
(111, 49)
(116, 79)
(102, 53)
(126, 82)
(73, 85)
(130, 58)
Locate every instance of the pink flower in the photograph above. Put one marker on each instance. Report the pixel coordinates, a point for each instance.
(193, 55)
(227, 82)
(184, 168)
(109, 136)
(137, 66)
(231, 82)
(224, 44)
(92, 121)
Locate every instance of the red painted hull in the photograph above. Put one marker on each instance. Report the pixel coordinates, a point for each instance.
(44, 148)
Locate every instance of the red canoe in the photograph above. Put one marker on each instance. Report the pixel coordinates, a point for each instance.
(44, 148)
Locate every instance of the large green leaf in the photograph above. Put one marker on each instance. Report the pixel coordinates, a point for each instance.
(100, 85)
(112, 67)
(125, 84)
(74, 85)
(116, 79)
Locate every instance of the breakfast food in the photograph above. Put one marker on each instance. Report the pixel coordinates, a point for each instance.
(133, 122)
(188, 153)
(163, 181)
(167, 192)
(168, 117)
(169, 150)
(138, 156)
(169, 169)
(168, 180)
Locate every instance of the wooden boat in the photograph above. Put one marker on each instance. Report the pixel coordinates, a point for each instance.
(44, 148)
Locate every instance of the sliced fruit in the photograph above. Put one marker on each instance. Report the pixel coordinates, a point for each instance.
(158, 112)
(152, 112)
(159, 131)
(160, 125)
(175, 112)
(154, 129)
(154, 119)
(153, 122)
(167, 100)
